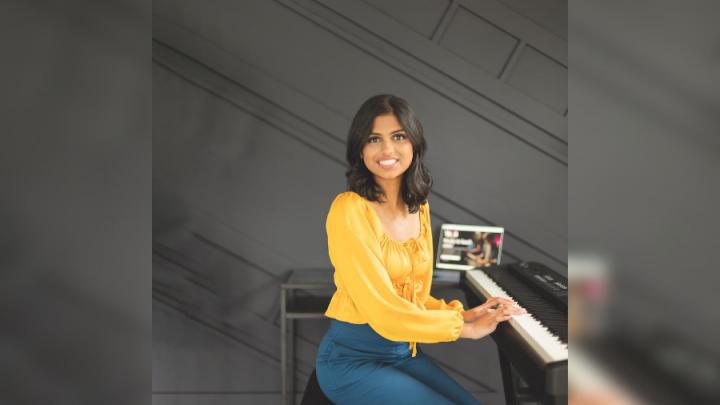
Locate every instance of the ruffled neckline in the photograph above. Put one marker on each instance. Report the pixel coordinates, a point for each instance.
(387, 238)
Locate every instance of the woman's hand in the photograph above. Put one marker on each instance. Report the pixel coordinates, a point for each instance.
(486, 323)
(472, 314)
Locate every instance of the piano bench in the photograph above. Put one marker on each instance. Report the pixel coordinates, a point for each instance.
(313, 394)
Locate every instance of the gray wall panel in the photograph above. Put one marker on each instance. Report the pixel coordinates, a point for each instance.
(478, 41)
(550, 14)
(423, 16)
(541, 77)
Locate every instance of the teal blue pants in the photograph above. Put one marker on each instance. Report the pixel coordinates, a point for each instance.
(355, 365)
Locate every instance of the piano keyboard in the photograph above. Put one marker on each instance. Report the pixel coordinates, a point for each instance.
(550, 345)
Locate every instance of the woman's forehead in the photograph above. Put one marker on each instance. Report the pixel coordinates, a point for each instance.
(386, 124)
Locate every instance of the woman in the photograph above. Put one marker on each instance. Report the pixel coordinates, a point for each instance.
(380, 244)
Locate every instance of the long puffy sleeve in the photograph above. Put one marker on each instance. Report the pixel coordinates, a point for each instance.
(355, 252)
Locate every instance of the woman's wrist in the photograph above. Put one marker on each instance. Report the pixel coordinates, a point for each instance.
(466, 332)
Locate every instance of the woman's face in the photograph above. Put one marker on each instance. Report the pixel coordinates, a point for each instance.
(388, 151)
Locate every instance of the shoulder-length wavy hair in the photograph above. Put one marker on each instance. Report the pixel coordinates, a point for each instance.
(416, 182)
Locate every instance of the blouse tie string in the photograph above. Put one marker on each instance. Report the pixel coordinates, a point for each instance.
(417, 256)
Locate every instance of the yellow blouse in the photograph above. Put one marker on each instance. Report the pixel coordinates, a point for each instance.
(383, 282)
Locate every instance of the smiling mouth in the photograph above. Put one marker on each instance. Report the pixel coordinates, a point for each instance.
(387, 163)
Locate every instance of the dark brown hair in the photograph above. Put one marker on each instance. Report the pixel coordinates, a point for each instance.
(416, 181)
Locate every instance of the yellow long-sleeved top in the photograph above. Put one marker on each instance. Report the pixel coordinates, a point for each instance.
(383, 282)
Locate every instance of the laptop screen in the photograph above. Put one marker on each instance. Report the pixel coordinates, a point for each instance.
(467, 247)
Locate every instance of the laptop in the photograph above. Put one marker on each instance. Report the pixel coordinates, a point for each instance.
(468, 247)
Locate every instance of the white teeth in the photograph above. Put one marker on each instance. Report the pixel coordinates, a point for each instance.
(387, 162)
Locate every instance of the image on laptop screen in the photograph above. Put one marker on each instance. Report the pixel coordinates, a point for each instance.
(467, 247)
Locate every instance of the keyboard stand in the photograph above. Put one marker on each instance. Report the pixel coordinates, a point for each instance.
(508, 377)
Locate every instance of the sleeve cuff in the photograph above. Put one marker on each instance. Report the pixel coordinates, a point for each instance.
(457, 327)
(456, 304)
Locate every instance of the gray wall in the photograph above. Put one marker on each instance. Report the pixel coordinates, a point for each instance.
(645, 163)
(251, 104)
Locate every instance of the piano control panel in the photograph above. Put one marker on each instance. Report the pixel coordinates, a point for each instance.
(547, 282)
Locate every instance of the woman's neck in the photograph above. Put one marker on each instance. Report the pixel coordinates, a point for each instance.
(391, 189)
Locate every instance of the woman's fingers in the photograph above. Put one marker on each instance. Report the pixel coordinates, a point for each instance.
(506, 301)
(516, 310)
(495, 303)
(499, 300)
(491, 302)
(499, 315)
(499, 308)
(485, 306)
(506, 313)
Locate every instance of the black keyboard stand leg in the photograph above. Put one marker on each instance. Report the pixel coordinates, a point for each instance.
(508, 380)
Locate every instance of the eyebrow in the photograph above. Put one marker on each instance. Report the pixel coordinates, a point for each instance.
(391, 133)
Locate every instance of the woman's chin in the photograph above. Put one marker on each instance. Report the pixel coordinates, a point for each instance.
(387, 176)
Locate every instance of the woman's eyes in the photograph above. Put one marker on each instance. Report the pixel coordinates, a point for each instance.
(397, 137)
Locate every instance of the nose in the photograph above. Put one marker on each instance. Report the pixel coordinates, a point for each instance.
(388, 148)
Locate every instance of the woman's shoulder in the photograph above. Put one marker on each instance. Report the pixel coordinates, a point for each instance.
(348, 196)
(347, 202)
(351, 209)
